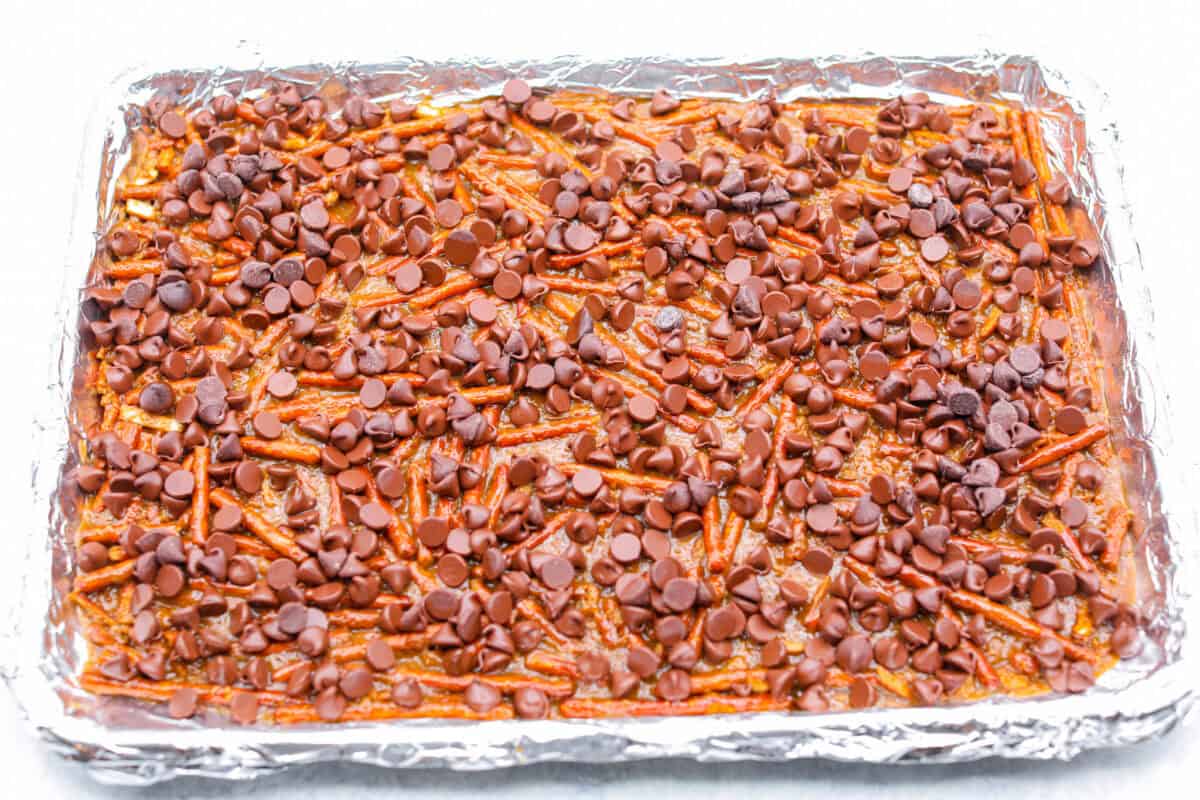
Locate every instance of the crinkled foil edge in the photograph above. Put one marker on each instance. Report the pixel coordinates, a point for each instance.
(1137, 700)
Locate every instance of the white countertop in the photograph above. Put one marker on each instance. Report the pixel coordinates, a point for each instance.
(55, 55)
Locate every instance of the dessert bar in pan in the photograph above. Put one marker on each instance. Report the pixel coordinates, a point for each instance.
(561, 403)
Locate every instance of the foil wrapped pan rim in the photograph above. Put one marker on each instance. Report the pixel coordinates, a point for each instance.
(1138, 700)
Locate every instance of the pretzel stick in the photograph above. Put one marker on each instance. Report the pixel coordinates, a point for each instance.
(767, 389)
(796, 237)
(397, 532)
(418, 498)
(578, 286)
(129, 270)
(561, 308)
(282, 450)
(894, 683)
(1009, 555)
(607, 616)
(1016, 623)
(337, 406)
(508, 437)
(854, 397)
(458, 284)
(812, 614)
(1000, 615)
(496, 495)
(507, 684)
(505, 161)
(532, 209)
(1084, 628)
(550, 664)
(199, 519)
(105, 576)
(487, 395)
(1070, 541)
(267, 341)
(889, 450)
(401, 130)
(429, 709)
(607, 250)
(1037, 152)
(783, 424)
(620, 477)
(141, 419)
(984, 670)
(326, 380)
(91, 609)
(1020, 144)
(482, 458)
(694, 304)
(536, 540)
(399, 642)
(161, 691)
(731, 537)
(533, 613)
(1119, 522)
(726, 679)
(578, 708)
(256, 524)
(1062, 449)
(294, 410)
(620, 128)
(712, 522)
(548, 143)
(887, 590)
(708, 355)
(147, 191)
(250, 546)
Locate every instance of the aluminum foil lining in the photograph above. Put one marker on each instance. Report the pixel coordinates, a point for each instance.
(124, 742)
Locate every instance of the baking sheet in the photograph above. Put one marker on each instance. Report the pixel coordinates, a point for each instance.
(124, 742)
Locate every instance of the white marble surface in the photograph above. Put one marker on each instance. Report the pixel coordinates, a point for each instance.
(55, 55)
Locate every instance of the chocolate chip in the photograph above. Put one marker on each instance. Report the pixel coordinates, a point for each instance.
(481, 697)
(282, 385)
(380, 655)
(183, 703)
(461, 248)
(173, 125)
(587, 482)
(517, 91)
(406, 693)
(1070, 420)
(243, 707)
(556, 572)
(531, 703)
(674, 686)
